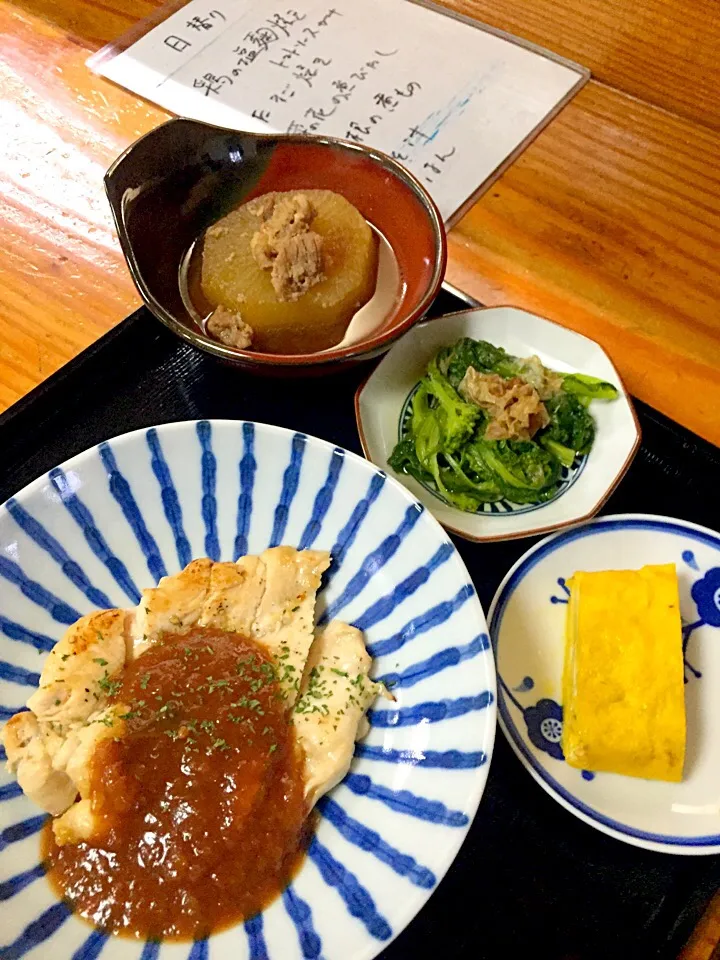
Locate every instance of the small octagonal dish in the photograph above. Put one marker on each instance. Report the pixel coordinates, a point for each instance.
(383, 401)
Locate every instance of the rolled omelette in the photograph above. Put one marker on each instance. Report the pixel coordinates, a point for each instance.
(623, 679)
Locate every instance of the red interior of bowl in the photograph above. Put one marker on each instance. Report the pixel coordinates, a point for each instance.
(386, 201)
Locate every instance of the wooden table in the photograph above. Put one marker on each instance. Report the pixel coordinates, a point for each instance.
(609, 223)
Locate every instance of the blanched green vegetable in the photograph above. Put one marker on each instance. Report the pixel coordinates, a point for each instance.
(525, 472)
(441, 422)
(444, 444)
(570, 423)
(481, 355)
(486, 358)
(565, 455)
(453, 485)
(480, 485)
(582, 385)
(456, 416)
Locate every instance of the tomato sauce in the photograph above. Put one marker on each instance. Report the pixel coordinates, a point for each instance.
(200, 801)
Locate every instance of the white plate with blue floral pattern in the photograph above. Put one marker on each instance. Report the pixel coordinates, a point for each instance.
(527, 626)
(112, 520)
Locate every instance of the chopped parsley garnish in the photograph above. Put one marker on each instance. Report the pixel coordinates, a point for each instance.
(317, 690)
(168, 708)
(110, 687)
(135, 711)
(179, 698)
(129, 715)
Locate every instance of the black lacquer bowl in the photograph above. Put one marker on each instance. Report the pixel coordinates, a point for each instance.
(179, 179)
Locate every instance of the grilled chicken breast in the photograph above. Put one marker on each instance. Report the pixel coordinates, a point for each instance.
(285, 616)
(330, 713)
(30, 762)
(269, 598)
(173, 606)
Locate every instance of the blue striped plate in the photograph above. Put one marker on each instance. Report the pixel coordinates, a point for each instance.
(98, 529)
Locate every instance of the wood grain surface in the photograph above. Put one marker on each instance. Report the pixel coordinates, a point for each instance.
(664, 52)
(609, 223)
(704, 944)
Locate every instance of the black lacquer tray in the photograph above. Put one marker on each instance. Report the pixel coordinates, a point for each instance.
(531, 880)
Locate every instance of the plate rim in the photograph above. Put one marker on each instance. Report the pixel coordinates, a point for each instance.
(663, 843)
(523, 532)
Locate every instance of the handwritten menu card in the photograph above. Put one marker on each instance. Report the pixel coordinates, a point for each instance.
(448, 100)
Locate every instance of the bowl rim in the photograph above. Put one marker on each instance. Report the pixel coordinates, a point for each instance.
(535, 531)
(250, 357)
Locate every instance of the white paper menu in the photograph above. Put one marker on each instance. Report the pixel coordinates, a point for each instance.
(448, 100)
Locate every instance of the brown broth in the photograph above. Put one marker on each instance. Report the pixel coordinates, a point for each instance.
(200, 801)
